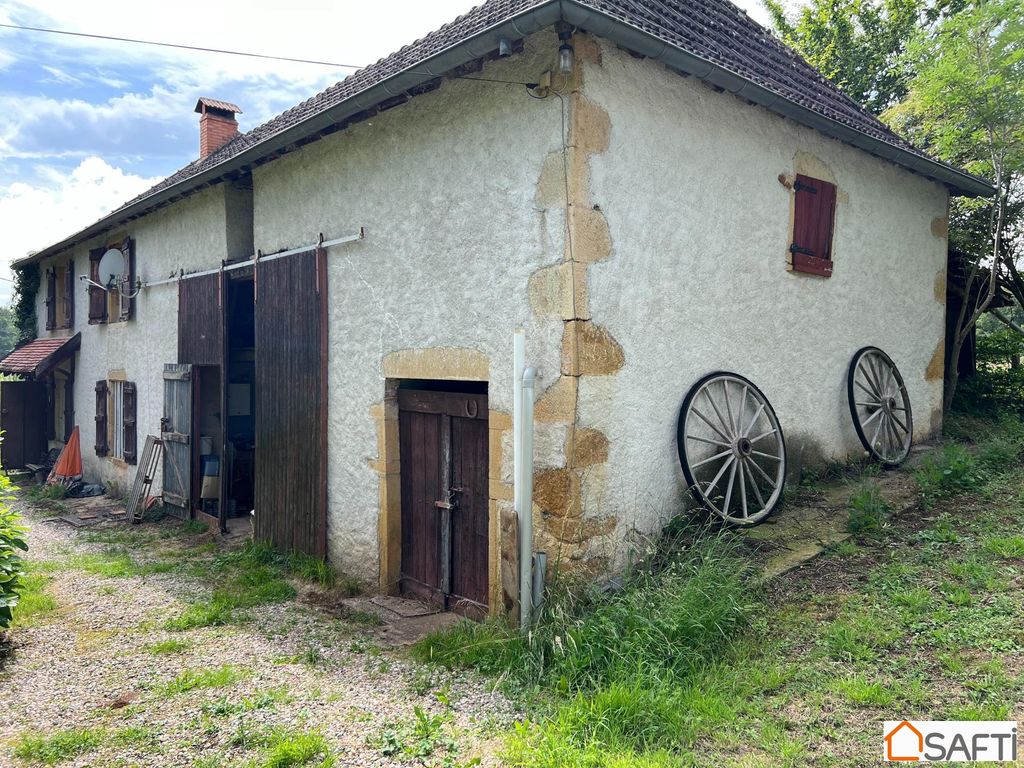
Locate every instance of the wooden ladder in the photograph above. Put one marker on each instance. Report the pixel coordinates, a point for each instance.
(135, 507)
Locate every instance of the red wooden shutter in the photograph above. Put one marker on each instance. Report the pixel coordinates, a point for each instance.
(51, 299)
(128, 307)
(97, 296)
(813, 218)
(69, 295)
(129, 407)
(101, 418)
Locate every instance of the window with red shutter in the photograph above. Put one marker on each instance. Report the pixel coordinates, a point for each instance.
(97, 296)
(101, 418)
(127, 303)
(814, 212)
(128, 419)
(69, 295)
(51, 299)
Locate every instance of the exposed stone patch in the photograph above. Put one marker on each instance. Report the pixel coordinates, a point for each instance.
(578, 530)
(454, 363)
(937, 366)
(560, 291)
(589, 350)
(590, 446)
(811, 165)
(591, 239)
(557, 492)
(558, 403)
(940, 227)
(588, 50)
(591, 126)
(551, 184)
(940, 286)
(509, 548)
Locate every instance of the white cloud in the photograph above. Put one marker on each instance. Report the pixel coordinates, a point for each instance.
(35, 216)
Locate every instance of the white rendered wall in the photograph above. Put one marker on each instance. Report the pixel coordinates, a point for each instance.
(697, 279)
(444, 186)
(188, 235)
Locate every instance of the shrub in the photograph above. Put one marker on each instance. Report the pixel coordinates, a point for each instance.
(12, 566)
(952, 470)
(868, 509)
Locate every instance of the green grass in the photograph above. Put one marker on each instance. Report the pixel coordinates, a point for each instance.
(35, 602)
(226, 706)
(44, 492)
(288, 749)
(953, 469)
(168, 647)
(868, 510)
(629, 667)
(695, 666)
(858, 690)
(583, 641)
(1010, 547)
(61, 746)
(193, 679)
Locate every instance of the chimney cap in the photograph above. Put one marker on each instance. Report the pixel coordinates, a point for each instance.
(205, 104)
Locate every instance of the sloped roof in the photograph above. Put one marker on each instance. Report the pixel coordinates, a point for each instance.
(711, 39)
(227, 106)
(38, 357)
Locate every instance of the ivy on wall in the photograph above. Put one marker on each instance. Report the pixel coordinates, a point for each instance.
(26, 286)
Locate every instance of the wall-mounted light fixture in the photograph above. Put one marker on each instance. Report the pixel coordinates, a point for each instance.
(566, 58)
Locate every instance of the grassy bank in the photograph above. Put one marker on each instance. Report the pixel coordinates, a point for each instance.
(698, 664)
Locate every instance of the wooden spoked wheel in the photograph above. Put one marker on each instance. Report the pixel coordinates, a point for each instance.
(731, 448)
(880, 406)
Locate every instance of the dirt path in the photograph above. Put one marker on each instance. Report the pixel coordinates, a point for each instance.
(98, 678)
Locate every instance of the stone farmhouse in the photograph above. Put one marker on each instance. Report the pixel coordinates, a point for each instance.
(320, 312)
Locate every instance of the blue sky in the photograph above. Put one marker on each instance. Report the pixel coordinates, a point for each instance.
(86, 125)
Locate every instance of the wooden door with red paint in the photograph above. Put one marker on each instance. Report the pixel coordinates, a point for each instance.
(445, 511)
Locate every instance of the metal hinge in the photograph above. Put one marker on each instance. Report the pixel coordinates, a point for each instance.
(794, 248)
(799, 186)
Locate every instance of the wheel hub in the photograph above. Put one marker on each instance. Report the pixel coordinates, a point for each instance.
(743, 447)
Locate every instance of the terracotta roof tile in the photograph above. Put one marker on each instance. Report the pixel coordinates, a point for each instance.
(714, 30)
(227, 106)
(27, 360)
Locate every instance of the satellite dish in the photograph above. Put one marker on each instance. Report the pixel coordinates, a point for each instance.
(111, 269)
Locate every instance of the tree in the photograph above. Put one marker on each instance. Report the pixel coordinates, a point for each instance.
(8, 331)
(857, 44)
(966, 105)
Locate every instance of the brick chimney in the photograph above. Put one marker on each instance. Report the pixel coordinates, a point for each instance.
(217, 126)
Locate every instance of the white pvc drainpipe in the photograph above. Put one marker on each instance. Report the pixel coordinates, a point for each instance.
(526, 502)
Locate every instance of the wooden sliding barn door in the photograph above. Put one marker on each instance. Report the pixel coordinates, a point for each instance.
(291, 403)
(444, 459)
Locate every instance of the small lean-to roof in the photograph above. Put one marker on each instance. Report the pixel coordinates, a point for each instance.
(38, 357)
(226, 106)
(709, 39)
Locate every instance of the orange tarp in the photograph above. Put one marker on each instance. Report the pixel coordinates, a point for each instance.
(69, 465)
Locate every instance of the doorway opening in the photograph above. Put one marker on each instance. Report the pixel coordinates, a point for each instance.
(445, 508)
(240, 399)
(206, 452)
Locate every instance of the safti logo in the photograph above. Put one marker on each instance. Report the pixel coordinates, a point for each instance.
(952, 741)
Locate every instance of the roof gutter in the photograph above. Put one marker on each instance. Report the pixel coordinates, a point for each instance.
(635, 39)
(486, 41)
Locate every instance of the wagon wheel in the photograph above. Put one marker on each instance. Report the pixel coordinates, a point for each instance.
(731, 448)
(880, 406)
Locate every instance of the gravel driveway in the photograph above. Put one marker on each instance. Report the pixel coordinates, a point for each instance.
(99, 679)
